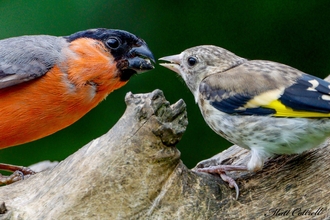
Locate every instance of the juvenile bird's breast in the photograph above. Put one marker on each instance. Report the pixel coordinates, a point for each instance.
(266, 134)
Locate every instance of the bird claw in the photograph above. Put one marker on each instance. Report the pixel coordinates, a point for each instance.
(19, 173)
(232, 183)
(221, 170)
(16, 176)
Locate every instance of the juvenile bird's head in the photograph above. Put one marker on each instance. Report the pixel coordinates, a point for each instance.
(130, 52)
(196, 63)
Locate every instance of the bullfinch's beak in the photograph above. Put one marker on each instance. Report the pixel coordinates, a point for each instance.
(140, 60)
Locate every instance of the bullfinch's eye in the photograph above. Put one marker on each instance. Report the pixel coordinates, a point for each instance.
(113, 43)
(192, 61)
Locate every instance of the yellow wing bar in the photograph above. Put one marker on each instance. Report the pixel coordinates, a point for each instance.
(284, 111)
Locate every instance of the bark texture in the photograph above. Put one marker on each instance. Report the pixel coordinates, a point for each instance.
(134, 172)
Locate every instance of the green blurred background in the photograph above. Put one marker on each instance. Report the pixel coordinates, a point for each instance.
(291, 32)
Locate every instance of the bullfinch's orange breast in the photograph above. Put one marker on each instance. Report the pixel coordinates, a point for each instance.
(69, 90)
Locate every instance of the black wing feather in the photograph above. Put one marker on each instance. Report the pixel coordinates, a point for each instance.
(231, 104)
(301, 97)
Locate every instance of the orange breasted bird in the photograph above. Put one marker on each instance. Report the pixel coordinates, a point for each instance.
(47, 82)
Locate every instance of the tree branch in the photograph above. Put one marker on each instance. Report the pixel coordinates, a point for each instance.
(134, 172)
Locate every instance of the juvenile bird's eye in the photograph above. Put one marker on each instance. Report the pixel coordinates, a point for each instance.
(192, 61)
(113, 43)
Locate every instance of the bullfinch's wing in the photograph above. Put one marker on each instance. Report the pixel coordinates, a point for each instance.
(28, 57)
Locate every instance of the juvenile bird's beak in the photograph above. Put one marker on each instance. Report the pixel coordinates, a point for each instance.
(140, 60)
(175, 62)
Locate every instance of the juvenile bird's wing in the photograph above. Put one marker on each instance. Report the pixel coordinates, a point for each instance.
(28, 57)
(267, 88)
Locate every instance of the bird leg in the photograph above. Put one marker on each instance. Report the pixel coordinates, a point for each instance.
(18, 173)
(221, 170)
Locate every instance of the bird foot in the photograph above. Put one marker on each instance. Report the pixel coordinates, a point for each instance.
(19, 173)
(221, 170)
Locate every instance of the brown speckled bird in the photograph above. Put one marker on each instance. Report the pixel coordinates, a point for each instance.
(266, 107)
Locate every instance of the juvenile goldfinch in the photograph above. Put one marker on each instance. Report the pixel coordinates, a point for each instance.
(266, 107)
